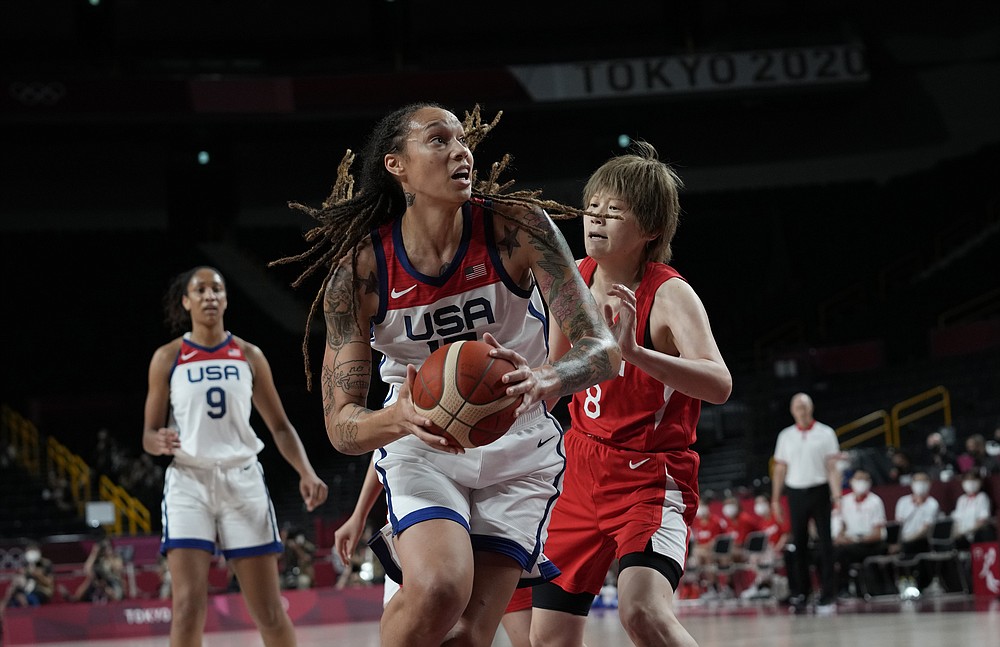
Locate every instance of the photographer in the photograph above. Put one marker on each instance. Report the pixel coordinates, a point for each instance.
(33, 585)
(105, 571)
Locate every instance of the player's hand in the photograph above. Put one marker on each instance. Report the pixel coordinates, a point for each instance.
(313, 491)
(345, 539)
(416, 424)
(622, 326)
(522, 380)
(167, 441)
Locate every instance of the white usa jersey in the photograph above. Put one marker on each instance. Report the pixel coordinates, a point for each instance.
(419, 313)
(210, 400)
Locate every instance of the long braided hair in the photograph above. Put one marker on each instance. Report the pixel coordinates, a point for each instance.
(346, 218)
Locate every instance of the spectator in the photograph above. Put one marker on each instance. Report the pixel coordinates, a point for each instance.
(972, 513)
(916, 513)
(298, 571)
(33, 585)
(861, 528)
(976, 458)
(901, 471)
(939, 463)
(104, 571)
(993, 445)
(777, 531)
(738, 522)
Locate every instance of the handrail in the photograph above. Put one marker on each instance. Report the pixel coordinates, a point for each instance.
(73, 469)
(944, 404)
(884, 429)
(126, 506)
(22, 435)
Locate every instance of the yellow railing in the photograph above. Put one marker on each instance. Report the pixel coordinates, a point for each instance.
(70, 467)
(873, 425)
(22, 436)
(903, 413)
(127, 507)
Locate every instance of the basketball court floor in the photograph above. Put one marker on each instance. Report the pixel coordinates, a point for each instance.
(949, 621)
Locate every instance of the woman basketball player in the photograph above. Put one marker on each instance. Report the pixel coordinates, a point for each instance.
(201, 389)
(416, 259)
(631, 487)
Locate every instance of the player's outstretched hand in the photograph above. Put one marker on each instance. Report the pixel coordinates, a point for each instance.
(416, 424)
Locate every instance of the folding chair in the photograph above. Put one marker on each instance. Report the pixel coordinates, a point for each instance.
(884, 567)
(943, 552)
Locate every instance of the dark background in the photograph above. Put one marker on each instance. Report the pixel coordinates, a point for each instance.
(847, 230)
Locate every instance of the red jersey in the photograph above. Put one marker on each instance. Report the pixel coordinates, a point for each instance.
(635, 411)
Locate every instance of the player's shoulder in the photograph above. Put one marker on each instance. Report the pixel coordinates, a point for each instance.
(250, 350)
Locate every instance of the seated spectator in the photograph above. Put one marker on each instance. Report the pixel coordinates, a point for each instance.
(705, 528)
(972, 513)
(915, 514)
(33, 585)
(764, 562)
(939, 463)
(104, 573)
(976, 458)
(901, 471)
(993, 445)
(737, 522)
(859, 529)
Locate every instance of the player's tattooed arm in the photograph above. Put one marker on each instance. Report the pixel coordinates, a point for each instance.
(347, 363)
(594, 356)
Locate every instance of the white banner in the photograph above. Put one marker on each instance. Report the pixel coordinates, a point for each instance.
(694, 73)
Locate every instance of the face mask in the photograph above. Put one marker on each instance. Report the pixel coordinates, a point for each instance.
(730, 509)
(760, 508)
(32, 556)
(843, 466)
(921, 488)
(970, 487)
(859, 486)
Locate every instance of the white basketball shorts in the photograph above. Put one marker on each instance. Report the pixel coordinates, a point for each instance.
(502, 493)
(220, 508)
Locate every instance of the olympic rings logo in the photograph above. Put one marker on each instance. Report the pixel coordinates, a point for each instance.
(37, 93)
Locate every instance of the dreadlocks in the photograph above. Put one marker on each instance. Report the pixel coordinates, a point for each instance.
(345, 219)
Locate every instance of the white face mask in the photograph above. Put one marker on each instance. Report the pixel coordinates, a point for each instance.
(761, 508)
(730, 509)
(860, 486)
(32, 556)
(921, 488)
(970, 487)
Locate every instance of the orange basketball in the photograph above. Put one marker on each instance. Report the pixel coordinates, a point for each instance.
(459, 389)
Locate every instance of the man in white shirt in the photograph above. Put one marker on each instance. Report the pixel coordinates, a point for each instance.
(915, 514)
(861, 529)
(805, 467)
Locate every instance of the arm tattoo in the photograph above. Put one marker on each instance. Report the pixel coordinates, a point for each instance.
(509, 240)
(347, 431)
(370, 283)
(339, 308)
(582, 366)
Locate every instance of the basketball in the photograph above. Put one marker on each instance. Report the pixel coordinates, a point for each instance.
(459, 389)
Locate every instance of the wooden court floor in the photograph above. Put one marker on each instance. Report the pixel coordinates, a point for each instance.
(946, 621)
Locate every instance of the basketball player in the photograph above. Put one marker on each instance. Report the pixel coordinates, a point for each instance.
(201, 389)
(631, 488)
(417, 260)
